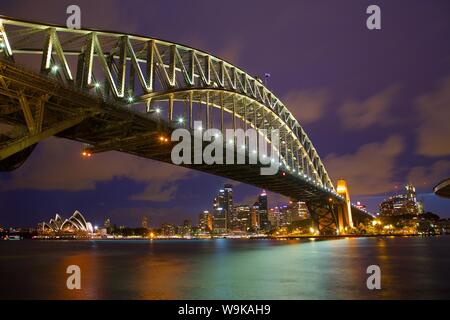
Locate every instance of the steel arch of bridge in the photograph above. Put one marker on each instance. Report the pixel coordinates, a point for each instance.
(145, 70)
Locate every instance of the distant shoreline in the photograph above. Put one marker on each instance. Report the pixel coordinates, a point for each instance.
(331, 237)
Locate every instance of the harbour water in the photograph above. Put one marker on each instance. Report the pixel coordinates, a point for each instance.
(414, 267)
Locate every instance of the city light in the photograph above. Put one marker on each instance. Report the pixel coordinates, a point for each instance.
(157, 110)
(97, 85)
(180, 120)
(55, 68)
(86, 154)
(130, 99)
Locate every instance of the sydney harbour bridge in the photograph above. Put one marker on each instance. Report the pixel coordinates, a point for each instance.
(124, 92)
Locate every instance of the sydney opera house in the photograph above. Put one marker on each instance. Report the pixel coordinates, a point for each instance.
(76, 223)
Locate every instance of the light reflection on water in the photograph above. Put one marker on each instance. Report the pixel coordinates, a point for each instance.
(227, 269)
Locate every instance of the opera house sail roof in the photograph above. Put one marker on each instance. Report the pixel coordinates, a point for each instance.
(76, 222)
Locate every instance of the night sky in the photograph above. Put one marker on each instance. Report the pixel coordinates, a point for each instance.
(376, 104)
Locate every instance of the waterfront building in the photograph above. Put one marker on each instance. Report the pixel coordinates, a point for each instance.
(254, 218)
(205, 221)
(242, 218)
(262, 205)
(273, 216)
(144, 222)
(186, 229)
(168, 230)
(76, 223)
(296, 211)
(223, 210)
(402, 204)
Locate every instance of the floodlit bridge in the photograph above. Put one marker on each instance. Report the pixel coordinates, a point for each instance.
(124, 92)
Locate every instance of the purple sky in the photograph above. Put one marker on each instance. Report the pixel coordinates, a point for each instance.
(376, 104)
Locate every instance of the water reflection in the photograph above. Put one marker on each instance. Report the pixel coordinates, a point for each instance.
(227, 269)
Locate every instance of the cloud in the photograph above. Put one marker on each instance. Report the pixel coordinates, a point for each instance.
(433, 132)
(369, 171)
(56, 165)
(156, 192)
(306, 105)
(363, 114)
(429, 176)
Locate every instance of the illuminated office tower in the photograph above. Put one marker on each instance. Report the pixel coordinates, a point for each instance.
(205, 221)
(228, 206)
(144, 222)
(223, 210)
(107, 223)
(242, 220)
(264, 222)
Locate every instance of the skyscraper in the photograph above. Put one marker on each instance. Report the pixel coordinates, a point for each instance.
(228, 205)
(254, 218)
(205, 221)
(144, 222)
(263, 212)
(297, 211)
(242, 218)
(402, 204)
(107, 223)
(223, 209)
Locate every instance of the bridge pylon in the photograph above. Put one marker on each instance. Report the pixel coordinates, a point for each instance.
(342, 190)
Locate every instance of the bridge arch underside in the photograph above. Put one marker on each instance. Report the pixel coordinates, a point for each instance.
(122, 92)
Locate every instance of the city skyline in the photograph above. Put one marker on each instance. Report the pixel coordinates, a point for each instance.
(259, 209)
(382, 143)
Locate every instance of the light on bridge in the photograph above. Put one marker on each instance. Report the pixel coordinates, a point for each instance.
(163, 139)
(55, 68)
(180, 120)
(130, 99)
(86, 154)
(158, 110)
(97, 85)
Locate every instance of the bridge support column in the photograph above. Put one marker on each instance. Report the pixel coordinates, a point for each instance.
(341, 218)
(342, 190)
(325, 216)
